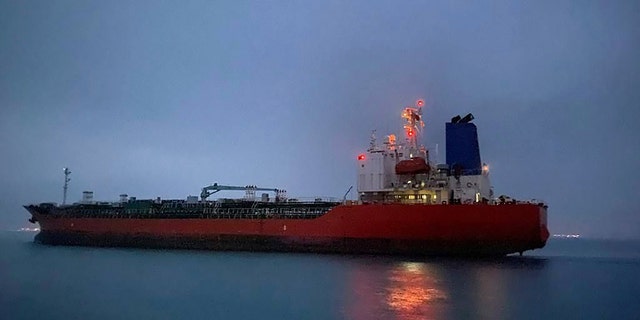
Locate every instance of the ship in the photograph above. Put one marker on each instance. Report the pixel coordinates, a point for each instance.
(407, 204)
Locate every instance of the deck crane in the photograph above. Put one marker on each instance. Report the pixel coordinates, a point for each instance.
(209, 190)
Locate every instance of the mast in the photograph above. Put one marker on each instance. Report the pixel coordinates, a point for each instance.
(67, 172)
(413, 124)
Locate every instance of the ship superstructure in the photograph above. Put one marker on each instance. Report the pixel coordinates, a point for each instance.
(402, 171)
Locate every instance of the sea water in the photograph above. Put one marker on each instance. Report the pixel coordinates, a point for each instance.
(568, 279)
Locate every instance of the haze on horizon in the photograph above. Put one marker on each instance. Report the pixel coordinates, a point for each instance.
(162, 98)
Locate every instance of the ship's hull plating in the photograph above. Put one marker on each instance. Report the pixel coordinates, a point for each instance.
(469, 230)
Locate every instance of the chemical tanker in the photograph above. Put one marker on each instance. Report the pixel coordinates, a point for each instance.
(406, 204)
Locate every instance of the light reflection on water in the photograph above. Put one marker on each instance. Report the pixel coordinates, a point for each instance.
(435, 289)
(412, 288)
(489, 292)
(401, 290)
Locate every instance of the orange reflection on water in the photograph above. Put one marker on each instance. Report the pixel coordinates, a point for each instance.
(412, 289)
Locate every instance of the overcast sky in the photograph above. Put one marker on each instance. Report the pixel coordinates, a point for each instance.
(160, 98)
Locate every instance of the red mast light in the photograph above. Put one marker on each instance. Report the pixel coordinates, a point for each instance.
(361, 157)
(420, 103)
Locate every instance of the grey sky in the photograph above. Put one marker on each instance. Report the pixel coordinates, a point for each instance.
(159, 98)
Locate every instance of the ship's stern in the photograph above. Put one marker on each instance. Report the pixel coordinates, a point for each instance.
(544, 230)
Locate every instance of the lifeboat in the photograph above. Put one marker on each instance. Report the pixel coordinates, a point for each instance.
(414, 165)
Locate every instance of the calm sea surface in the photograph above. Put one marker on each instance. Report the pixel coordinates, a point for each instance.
(568, 279)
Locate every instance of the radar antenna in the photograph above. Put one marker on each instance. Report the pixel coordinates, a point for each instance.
(67, 172)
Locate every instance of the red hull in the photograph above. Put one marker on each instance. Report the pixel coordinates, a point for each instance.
(382, 228)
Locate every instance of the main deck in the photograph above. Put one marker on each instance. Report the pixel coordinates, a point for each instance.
(179, 209)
